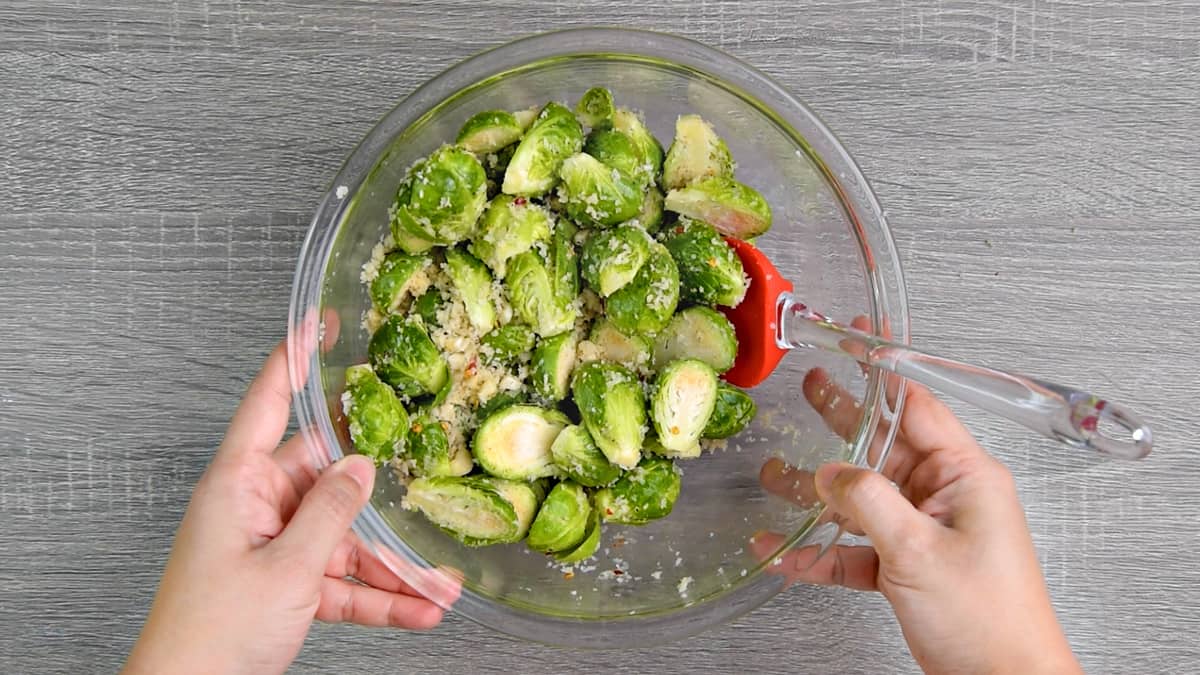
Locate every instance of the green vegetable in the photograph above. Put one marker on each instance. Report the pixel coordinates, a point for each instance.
(376, 418)
(527, 117)
(515, 442)
(405, 357)
(650, 215)
(497, 402)
(613, 409)
(696, 153)
(611, 258)
(489, 131)
(586, 548)
(510, 226)
(733, 412)
(429, 449)
(564, 263)
(710, 272)
(561, 523)
(576, 454)
(553, 361)
(472, 511)
(645, 304)
(630, 124)
(525, 499)
(392, 284)
(647, 492)
(505, 344)
(494, 165)
(427, 306)
(534, 168)
(684, 395)
(474, 284)
(630, 350)
(596, 194)
(440, 199)
(407, 239)
(532, 293)
(700, 333)
(732, 208)
(614, 149)
(595, 108)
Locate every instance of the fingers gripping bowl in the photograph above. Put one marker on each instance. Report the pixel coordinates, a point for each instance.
(700, 566)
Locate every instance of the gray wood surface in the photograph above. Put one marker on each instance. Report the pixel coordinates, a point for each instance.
(160, 161)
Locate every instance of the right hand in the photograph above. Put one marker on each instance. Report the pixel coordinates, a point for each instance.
(951, 550)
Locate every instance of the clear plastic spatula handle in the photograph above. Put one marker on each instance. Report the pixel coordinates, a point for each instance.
(1074, 417)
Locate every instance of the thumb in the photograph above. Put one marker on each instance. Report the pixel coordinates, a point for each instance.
(326, 512)
(866, 497)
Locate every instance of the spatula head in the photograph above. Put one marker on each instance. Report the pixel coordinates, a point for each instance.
(755, 319)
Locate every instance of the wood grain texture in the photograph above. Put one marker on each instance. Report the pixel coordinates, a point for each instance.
(161, 160)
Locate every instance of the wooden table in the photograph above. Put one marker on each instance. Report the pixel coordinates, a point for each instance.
(161, 160)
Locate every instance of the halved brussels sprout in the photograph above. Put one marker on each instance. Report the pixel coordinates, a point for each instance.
(645, 304)
(515, 442)
(586, 548)
(470, 510)
(527, 116)
(564, 263)
(505, 344)
(597, 194)
(498, 402)
(441, 198)
(611, 258)
(630, 124)
(407, 239)
(534, 167)
(474, 283)
(429, 449)
(615, 149)
(524, 497)
(647, 492)
(376, 418)
(489, 131)
(733, 208)
(710, 272)
(510, 226)
(613, 408)
(427, 306)
(561, 523)
(553, 361)
(650, 215)
(532, 293)
(684, 395)
(405, 357)
(577, 456)
(393, 282)
(696, 153)
(732, 413)
(595, 108)
(699, 333)
(630, 350)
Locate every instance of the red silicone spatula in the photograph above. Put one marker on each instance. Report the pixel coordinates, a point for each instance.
(770, 321)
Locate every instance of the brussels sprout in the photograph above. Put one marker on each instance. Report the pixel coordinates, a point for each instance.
(474, 284)
(489, 131)
(645, 304)
(553, 361)
(733, 411)
(506, 344)
(535, 164)
(650, 215)
(653, 446)
(614, 149)
(734, 209)
(494, 165)
(597, 194)
(630, 350)
(696, 153)
(527, 117)
(612, 258)
(532, 292)
(564, 263)
(441, 198)
(427, 306)
(613, 409)
(561, 523)
(710, 272)
(586, 548)
(510, 226)
(524, 497)
(647, 492)
(577, 456)
(392, 284)
(514, 443)
(407, 238)
(497, 402)
(595, 108)
(405, 357)
(429, 448)
(376, 418)
(684, 395)
(466, 508)
(699, 333)
(630, 124)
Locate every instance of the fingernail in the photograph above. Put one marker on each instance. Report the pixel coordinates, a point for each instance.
(358, 467)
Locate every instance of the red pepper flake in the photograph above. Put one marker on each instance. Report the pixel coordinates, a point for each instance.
(568, 575)
(618, 572)
(471, 368)
(520, 201)
(678, 229)
(608, 512)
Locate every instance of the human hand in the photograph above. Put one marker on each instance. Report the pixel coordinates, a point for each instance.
(951, 548)
(265, 547)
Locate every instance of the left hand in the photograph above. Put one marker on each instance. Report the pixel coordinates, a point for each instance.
(264, 548)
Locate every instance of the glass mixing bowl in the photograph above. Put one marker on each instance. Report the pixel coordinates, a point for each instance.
(695, 568)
